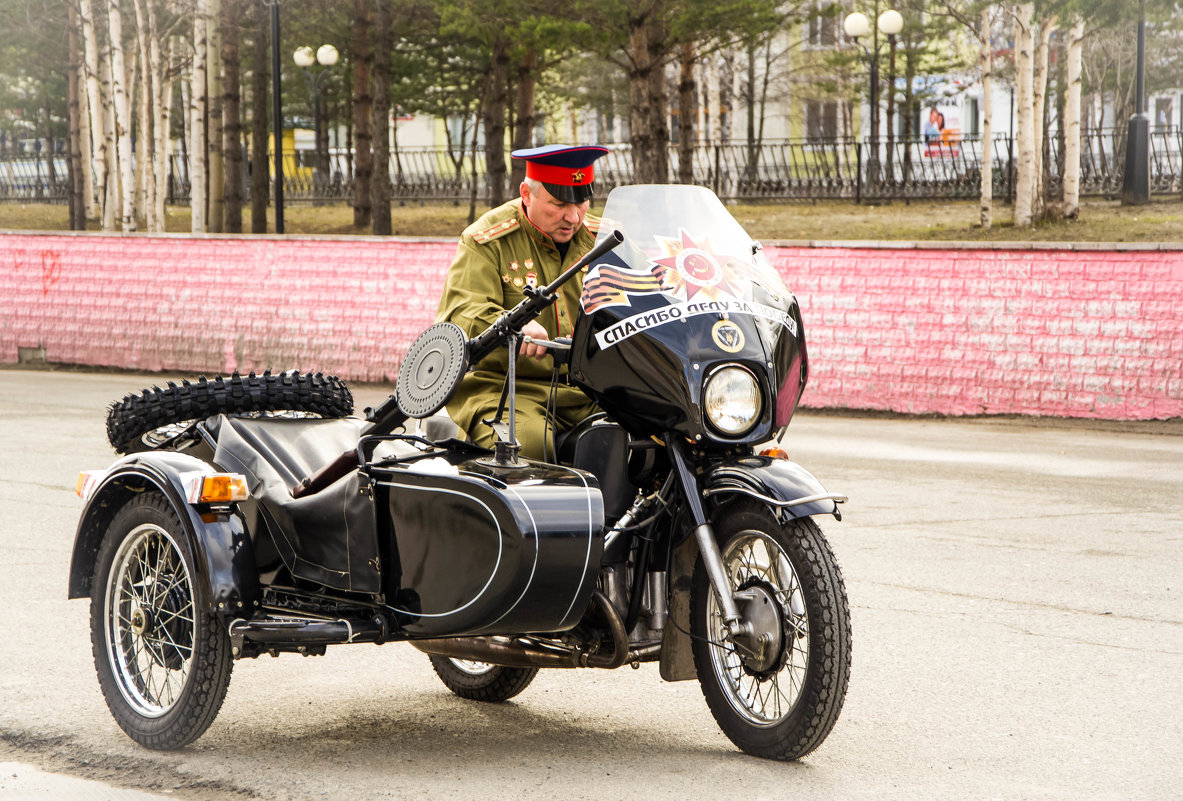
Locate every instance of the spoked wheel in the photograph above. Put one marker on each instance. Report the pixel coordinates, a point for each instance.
(776, 691)
(163, 662)
(480, 681)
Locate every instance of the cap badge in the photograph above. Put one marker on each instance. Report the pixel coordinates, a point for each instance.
(577, 177)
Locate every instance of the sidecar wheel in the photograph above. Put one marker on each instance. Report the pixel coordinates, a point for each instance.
(480, 681)
(781, 697)
(163, 662)
(153, 417)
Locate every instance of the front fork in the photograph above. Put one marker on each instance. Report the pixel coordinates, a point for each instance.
(708, 546)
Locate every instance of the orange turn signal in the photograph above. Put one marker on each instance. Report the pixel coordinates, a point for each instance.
(775, 453)
(223, 488)
(218, 488)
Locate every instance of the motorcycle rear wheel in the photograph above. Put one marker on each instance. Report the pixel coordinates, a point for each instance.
(782, 701)
(154, 416)
(480, 681)
(163, 661)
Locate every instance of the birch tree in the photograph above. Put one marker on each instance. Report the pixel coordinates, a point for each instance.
(96, 115)
(1024, 113)
(982, 28)
(1072, 113)
(122, 117)
(147, 105)
(986, 70)
(197, 146)
(1038, 110)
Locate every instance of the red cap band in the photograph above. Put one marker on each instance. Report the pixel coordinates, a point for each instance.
(563, 176)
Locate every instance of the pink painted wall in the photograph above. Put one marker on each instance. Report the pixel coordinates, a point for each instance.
(1074, 332)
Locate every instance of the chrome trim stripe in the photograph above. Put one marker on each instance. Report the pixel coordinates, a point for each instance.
(782, 504)
(500, 546)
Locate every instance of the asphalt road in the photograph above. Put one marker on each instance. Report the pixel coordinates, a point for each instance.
(1017, 596)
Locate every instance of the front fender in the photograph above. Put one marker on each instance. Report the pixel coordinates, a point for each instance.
(223, 553)
(780, 483)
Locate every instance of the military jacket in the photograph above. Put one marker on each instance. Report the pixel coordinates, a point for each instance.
(497, 257)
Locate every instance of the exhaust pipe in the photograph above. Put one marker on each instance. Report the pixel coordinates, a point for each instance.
(514, 653)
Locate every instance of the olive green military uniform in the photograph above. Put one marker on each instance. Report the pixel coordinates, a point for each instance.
(498, 256)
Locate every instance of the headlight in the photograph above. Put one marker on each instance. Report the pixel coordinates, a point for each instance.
(732, 400)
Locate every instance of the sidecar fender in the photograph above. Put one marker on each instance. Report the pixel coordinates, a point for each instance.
(222, 551)
(782, 484)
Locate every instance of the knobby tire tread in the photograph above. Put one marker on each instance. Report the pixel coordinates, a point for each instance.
(501, 684)
(135, 415)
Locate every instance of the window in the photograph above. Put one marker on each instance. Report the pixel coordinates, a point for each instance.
(821, 119)
(822, 30)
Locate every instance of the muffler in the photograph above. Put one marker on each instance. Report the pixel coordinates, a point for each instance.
(511, 652)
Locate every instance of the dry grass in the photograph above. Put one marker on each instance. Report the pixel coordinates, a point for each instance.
(1099, 221)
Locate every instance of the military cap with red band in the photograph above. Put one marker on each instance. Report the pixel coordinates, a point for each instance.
(566, 171)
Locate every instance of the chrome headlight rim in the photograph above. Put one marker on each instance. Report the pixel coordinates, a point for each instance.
(710, 414)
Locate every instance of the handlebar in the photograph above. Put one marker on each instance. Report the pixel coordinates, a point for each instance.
(535, 301)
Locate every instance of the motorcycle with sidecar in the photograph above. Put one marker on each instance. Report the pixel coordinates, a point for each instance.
(255, 515)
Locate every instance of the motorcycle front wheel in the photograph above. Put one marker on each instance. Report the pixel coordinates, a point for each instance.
(480, 681)
(777, 691)
(163, 661)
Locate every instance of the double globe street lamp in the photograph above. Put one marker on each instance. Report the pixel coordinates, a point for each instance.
(326, 56)
(857, 26)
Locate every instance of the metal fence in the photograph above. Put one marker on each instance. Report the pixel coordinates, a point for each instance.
(788, 170)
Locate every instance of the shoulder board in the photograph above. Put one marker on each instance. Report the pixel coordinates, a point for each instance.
(497, 231)
(592, 223)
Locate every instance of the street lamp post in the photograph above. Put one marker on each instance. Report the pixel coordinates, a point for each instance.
(325, 55)
(1135, 184)
(857, 26)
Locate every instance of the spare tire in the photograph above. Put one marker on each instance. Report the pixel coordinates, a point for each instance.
(155, 416)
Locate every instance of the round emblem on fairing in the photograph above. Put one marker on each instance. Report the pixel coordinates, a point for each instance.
(432, 369)
(728, 336)
(699, 267)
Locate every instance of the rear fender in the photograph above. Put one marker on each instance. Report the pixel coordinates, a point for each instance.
(223, 554)
(786, 486)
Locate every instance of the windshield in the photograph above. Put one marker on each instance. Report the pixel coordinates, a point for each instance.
(685, 254)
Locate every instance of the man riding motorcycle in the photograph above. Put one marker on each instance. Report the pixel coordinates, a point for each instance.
(528, 241)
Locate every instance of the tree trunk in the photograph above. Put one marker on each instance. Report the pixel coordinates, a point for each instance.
(381, 189)
(231, 116)
(1072, 123)
(146, 161)
(90, 205)
(363, 59)
(687, 88)
(216, 183)
(260, 166)
(523, 133)
(1039, 104)
(986, 65)
(111, 203)
(77, 196)
(495, 103)
(1024, 115)
(122, 117)
(164, 163)
(97, 116)
(197, 110)
(648, 126)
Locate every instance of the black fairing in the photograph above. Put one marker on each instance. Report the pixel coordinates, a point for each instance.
(651, 334)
